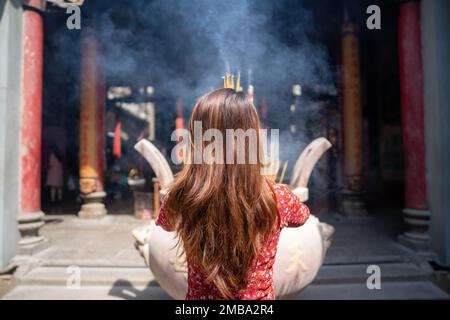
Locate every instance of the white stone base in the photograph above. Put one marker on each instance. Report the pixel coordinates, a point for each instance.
(93, 207)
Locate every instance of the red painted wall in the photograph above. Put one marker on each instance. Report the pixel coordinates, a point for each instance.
(411, 90)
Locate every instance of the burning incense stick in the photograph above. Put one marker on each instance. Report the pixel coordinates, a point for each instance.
(238, 83)
(228, 82)
(250, 96)
(275, 174)
(283, 172)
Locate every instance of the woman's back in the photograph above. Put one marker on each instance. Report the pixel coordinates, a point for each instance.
(260, 274)
(222, 206)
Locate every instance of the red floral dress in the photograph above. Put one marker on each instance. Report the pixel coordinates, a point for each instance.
(260, 276)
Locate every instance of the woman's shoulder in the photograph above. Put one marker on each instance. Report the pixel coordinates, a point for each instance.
(282, 193)
(293, 212)
(279, 189)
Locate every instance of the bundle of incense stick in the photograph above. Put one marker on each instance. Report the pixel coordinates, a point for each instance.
(274, 176)
(283, 172)
(228, 82)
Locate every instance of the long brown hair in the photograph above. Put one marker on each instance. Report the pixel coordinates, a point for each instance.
(222, 212)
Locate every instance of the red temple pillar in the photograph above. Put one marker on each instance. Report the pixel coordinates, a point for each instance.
(352, 195)
(101, 105)
(416, 211)
(179, 125)
(30, 215)
(91, 129)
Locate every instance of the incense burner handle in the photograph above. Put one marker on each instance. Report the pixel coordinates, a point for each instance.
(307, 161)
(157, 161)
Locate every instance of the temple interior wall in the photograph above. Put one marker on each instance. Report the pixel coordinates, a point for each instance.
(435, 17)
(10, 77)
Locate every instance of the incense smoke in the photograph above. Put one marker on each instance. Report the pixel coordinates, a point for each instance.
(182, 49)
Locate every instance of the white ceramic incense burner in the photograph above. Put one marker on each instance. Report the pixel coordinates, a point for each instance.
(300, 254)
